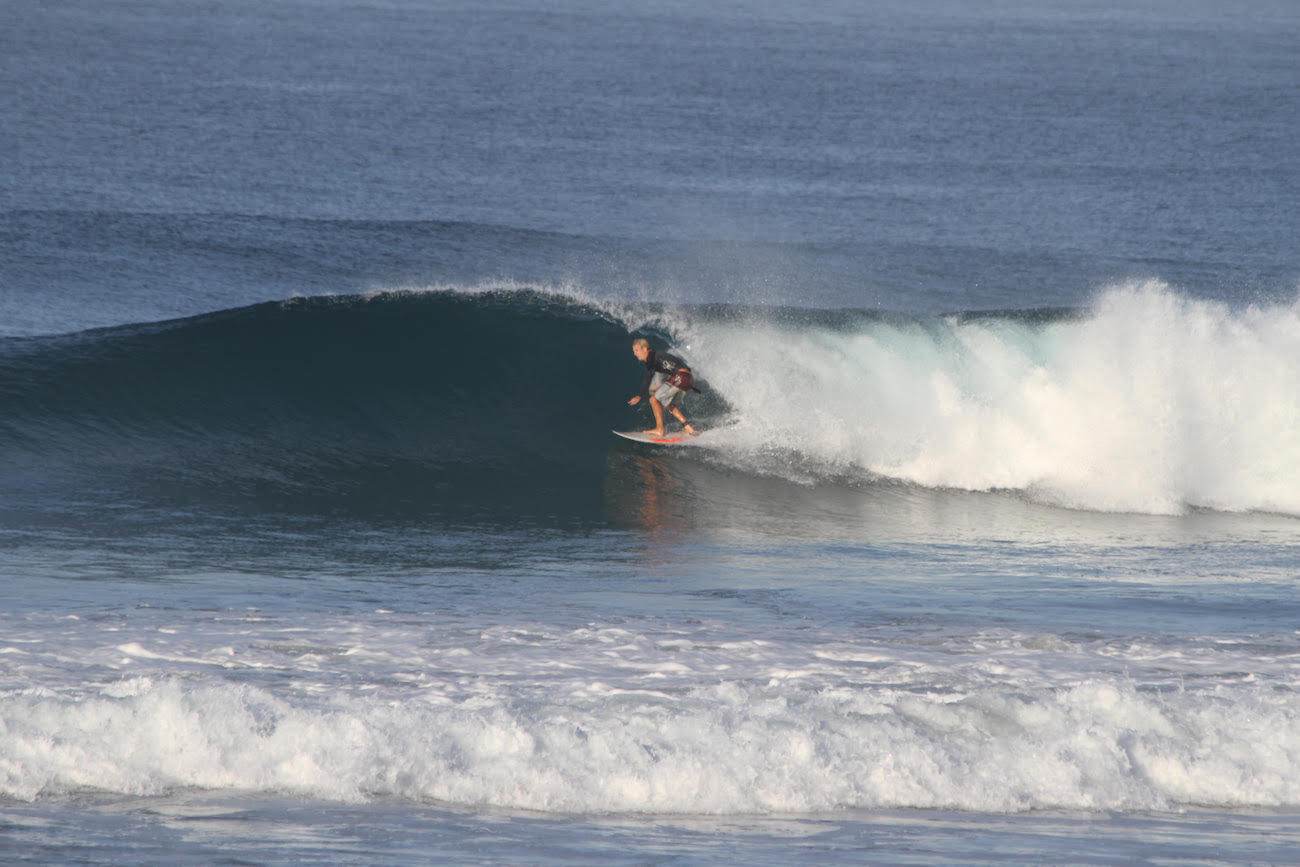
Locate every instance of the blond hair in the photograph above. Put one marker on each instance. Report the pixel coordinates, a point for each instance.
(641, 341)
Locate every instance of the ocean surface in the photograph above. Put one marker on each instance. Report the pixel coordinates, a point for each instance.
(316, 546)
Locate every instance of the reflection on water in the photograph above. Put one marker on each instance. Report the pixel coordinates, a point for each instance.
(690, 491)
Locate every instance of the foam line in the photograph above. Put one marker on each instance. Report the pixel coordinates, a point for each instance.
(719, 748)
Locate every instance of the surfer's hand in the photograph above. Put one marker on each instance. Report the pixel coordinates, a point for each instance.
(634, 401)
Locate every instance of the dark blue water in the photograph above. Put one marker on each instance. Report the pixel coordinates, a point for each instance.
(315, 319)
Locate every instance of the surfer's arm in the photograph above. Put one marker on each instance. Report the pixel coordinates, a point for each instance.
(645, 385)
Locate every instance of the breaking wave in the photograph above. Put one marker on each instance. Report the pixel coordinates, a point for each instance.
(481, 401)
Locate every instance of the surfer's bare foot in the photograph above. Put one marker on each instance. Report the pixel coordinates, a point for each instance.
(653, 433)
(690, 430)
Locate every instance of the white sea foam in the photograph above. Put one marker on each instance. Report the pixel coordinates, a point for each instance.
(686, 719)
(1152, 403)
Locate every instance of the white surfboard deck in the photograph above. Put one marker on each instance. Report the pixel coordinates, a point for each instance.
(668, 439)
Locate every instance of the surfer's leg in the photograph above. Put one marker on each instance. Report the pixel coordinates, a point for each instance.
(658, 409)
(665, 396)
(681, 417)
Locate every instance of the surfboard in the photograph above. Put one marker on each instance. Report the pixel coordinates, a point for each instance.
(668, 439)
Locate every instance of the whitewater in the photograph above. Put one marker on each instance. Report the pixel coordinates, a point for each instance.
(860, 426)
(1146, 402)
(1043, 565)
(316, 545)
(645, 716)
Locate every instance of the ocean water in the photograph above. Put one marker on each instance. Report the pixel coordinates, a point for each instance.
(315, 545)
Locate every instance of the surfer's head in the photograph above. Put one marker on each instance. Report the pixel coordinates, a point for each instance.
(641, 348)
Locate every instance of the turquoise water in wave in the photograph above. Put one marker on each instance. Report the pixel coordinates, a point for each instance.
(315, 545)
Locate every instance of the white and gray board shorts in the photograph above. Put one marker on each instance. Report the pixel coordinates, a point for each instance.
(663, 391)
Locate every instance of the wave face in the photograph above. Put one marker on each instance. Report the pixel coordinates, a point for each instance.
(471, 400)
(473, 403)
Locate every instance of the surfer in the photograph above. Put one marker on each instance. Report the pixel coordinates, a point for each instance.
(667, 378)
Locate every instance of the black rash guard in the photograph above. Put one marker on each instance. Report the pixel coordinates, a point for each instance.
(659, 362)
